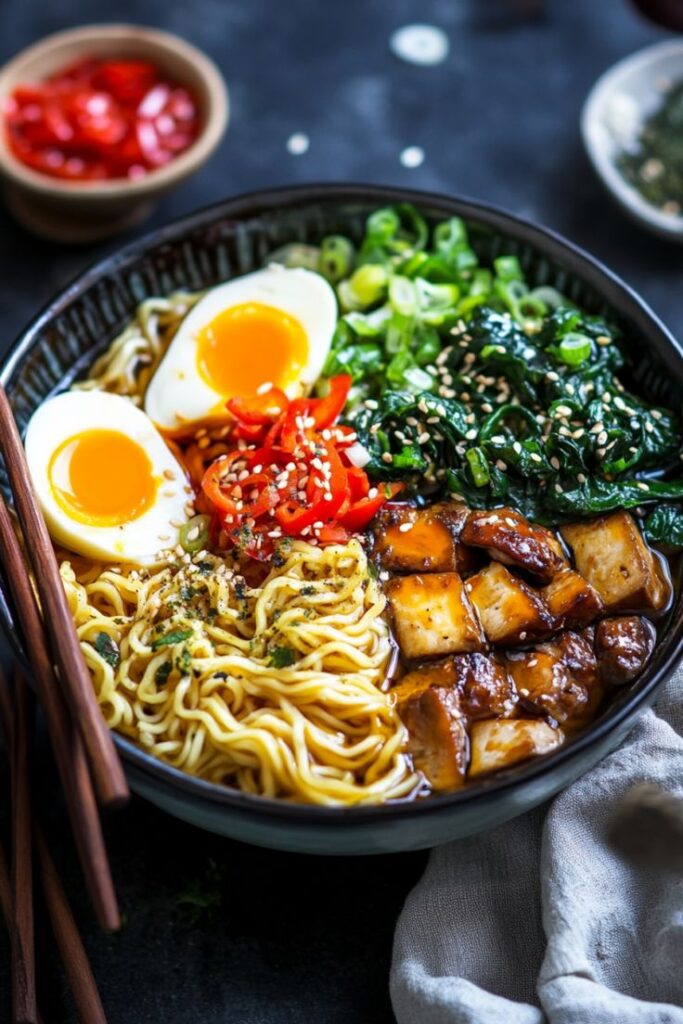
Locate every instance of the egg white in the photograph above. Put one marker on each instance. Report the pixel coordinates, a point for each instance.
(137, 541)
(177, 392)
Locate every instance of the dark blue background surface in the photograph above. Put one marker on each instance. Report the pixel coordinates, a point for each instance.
(218, 932)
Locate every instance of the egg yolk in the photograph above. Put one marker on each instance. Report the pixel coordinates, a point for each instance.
(102, 477)
(249, 345)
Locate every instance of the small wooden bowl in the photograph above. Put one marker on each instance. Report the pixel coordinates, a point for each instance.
(82, 211)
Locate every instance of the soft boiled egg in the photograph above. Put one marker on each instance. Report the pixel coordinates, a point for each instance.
(274, 326)
(107, 483)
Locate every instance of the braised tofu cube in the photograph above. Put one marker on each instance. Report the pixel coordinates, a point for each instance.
(409, 539)
(511, 612)
(504, 742)
(482, 683)
(611, 554)
(623, 647)
(558, 679)
(571, 600)
(437, 737)
(510, 538)
(485, 686)
(433, 616)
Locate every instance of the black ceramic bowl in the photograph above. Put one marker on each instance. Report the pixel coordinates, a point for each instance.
(235, 237)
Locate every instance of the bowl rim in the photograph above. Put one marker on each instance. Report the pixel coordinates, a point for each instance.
(668, 225)
(547, 242)
(217, 104)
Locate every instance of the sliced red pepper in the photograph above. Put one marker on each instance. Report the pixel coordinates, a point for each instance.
(326, 410)
(359, 485)
(333, 535)
(291, 432)
(257, 408)
(250, 431)
(362, 512)
(212, 486)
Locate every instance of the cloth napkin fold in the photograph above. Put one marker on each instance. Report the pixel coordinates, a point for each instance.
(540, 921)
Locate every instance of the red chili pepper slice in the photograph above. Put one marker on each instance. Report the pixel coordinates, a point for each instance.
(326, 410)
(362, 512)
(259, 408)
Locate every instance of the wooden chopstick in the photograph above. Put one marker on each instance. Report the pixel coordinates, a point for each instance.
(15, 727)
(65, 738)
(6, 901)
(110, 781)
(71, 949)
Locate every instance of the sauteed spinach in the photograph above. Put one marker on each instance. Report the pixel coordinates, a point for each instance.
(469, 382)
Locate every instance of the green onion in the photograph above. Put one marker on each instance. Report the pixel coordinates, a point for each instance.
(479, 466)
(368, 283)
(428, 349)
(508, 268)
(417, 379)
(336, 257)
(403, 295)
(296, 254)
(574, 349)
(194, 534)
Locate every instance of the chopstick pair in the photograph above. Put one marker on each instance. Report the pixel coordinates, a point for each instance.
(82, 745)
(16, 895)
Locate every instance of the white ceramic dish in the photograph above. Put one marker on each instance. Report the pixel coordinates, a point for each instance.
(619, 102)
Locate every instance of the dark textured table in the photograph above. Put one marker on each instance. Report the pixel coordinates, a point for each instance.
(216, 931)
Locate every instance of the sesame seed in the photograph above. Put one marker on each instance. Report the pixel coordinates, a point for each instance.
(655, 413)
(562, 410)
(535, 457)
(555, 462)
(581, 478)
(578, 433)
(485, 407)
(261, 390)
(558, 488)
(502, 466)
(423, 438)
(471, 434)
(602, 438)
(648, 427)
(570, 389)
(603, 340)
(405, 527)
(370, 403)
(552, 376)
(387, 457)
(517, 447)
(598, 428)
(643, 486)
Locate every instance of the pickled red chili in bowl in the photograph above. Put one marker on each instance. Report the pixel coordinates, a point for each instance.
(101, 118)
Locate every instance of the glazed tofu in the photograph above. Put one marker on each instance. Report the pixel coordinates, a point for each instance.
(558, 679)
(510, 538)
(511, 612)
(433, 616)
(571, 600)
(483, 684)
(611, 554)
(437, 737)
(503, 742)
(408, 539)
(623, 647)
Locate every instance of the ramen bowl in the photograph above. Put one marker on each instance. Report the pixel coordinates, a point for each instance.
(235, 237)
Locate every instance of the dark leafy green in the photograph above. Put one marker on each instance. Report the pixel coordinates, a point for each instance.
(176, 636)
(107, 649)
